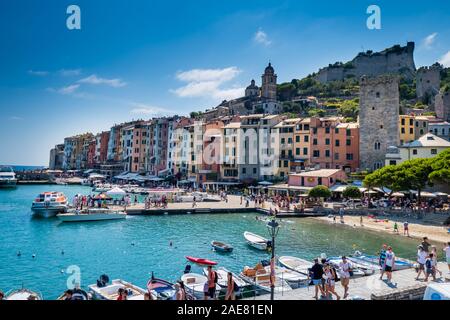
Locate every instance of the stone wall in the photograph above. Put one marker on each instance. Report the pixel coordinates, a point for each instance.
(428, 81)
(378, 119)
(414, 292)
(442, 106)
(397, 60)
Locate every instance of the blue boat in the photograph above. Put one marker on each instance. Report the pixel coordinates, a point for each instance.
(221, 247)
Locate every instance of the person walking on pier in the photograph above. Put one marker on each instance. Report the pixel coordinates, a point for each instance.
(447, 254)
(231, 288)
(421, 259)
(345, 268)
(425, 245)
(389, 263)
(430, 268)
(406, 228)
(212, 280)
(330, 280)
(316, 274)
(180, 291)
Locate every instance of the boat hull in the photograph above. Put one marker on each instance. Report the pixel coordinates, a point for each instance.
(201, 262)
(91, 217)
(10, 183)
(221, 247)
(48, 212)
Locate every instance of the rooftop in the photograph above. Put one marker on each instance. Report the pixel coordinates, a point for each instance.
(428, 140)
(322, 173)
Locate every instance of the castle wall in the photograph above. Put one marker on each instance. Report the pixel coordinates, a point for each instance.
(378, 119)
(428, 80)
(442, 106)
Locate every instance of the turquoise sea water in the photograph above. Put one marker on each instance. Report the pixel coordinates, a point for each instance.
(131, 249)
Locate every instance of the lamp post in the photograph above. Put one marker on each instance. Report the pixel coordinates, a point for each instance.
(273, 228)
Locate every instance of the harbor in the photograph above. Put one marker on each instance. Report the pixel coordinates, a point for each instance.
(126, 249)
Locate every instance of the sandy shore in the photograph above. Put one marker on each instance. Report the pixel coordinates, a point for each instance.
(416, 230)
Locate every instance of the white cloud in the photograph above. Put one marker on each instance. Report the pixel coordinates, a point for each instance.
(70, 89)
(208, 83)
(428, 41)
(148, 110)
(445, 60)
(262, 38)
(94, 80)
(70, 72)
(38, 73)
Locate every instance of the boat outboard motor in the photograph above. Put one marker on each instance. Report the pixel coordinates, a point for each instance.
(187, 269)
(79, 294)
(103, 281)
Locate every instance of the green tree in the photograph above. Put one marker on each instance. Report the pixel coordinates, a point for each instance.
(440, 166)
(319, 192)
(349, 109)
(352, 192)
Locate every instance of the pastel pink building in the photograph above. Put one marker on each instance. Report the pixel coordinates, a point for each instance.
(324, 177)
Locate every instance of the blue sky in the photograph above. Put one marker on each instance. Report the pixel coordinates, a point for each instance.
(135, 59)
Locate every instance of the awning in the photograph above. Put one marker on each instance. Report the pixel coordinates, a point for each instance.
(116, 191)
(398, 194)
(265, 183)
(423, 194)
(96, 176)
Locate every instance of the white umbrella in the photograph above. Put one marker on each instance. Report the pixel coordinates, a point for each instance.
(265, 183)
(116, 191)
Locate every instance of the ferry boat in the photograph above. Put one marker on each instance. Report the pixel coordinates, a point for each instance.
(49, 204)
(7, 177)
(91, 214)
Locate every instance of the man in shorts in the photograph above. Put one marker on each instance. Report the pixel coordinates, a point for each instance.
(381, 260)
(316, 274)
(389, 263)
(345, 268)
(421, 259)
(211, 282)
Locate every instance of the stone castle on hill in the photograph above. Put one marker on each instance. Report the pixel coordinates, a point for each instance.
(395, 60)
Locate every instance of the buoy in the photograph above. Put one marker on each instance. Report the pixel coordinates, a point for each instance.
(19, 254)
(62, 251)
(33, 255)
(132, 243)
(170, 243)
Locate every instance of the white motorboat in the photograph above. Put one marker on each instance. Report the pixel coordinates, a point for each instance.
(400, 263)
(357, 272)
(256, 241)
(260, 278)
(23, 294)
(195, 283)
(92, 214)
(296, 264)
(49, 204)
(109, 291)
(7, 178)
(222, 281)
(293, 278)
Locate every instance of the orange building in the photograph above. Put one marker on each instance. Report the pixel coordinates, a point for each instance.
(334, 145)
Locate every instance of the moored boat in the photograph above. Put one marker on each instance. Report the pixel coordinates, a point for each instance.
(356, 271)
(7, 178)
(221, 247)
(92, 214)
(260, 278)
(49, 204)
(296, 264)
(222, 278)
(195, 283)
(201, 261)
(256, 241)
(23, 294)
(162, 289)
(110, 291)
(400, 263)
(77, 294)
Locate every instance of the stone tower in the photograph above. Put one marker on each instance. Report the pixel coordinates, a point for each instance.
(269, 84)
(252, 90)
(442, 105)
(428, 82)
(378, 119)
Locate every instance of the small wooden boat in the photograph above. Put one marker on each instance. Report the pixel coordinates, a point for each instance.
(195, 283)
(221, 247)
(296, 264)
(201, 261)
(260, 278)
(23, 294)
(162, 289)
(109, 292)
(256, 241)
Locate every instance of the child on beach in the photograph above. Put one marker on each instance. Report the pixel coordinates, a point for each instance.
(430, 268)
(395, 227)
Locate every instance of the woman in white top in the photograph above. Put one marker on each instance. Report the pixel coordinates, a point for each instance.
(330, 280)
(447, 254)
(435, 259)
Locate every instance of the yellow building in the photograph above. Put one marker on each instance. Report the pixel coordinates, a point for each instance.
(286, 130)
(406, 128)
(301, 145)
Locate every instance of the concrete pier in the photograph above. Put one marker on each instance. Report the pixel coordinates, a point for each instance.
(403, 287)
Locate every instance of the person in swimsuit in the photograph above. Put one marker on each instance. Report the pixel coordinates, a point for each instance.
(330, 282)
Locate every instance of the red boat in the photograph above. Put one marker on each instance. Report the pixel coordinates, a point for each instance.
(200, 261)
